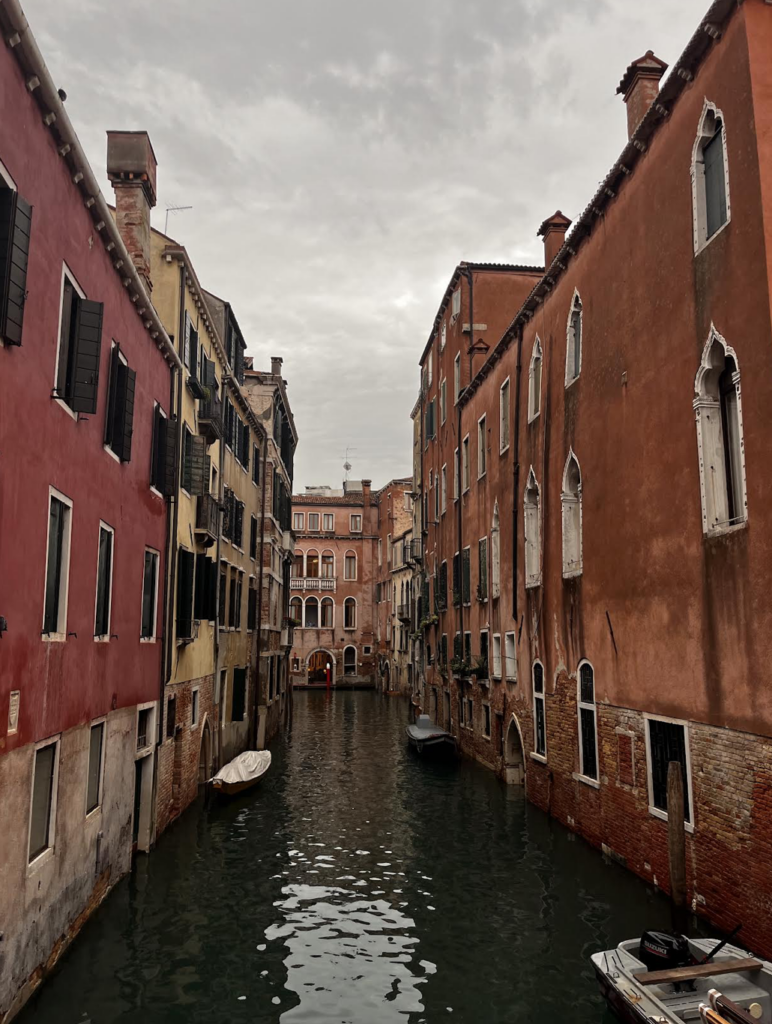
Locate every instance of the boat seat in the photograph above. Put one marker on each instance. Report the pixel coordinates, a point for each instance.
(737, 964)
(737, 987)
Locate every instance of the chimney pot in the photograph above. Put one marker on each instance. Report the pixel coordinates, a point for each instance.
(131, 168)
(276, 362)
(554, 230)
(640, 86)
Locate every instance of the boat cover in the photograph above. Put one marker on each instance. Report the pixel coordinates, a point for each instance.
(249, 765)
(425, 729)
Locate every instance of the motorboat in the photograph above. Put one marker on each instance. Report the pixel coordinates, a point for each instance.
(242, 772)
(670, 979)
(424, 735)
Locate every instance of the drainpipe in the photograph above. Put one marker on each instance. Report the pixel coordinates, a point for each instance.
(470, 279)
(218, 576)
(516, 473)
(259, 624)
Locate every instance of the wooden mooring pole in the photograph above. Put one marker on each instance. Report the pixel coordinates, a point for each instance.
(676, 841)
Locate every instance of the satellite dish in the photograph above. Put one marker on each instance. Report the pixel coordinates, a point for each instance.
(347, 466)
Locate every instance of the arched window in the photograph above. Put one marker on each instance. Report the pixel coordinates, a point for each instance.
(710, 178)
(350, 566)
(532, 532)
(312, 564)
(574, 340)
(312, 613)
(328, 613)
(539, 717)
(296, 610)
(495, 553)
(571, 501)
(721, 449)
(328, 565)
(349, 661)
(349, 613)
(588, 726)
(298, 565)
(534, 381)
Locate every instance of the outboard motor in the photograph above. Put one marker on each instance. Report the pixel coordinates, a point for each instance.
(660, 951)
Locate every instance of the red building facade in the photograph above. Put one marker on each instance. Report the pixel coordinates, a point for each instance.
(86, 377)
(617, 612)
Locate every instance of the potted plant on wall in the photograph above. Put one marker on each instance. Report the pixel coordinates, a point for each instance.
(460, 668)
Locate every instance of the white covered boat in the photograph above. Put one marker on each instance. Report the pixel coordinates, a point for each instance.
(423, 734)
(671, 979)
(242, 772)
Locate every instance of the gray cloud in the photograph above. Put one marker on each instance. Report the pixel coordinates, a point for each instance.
(342, 156)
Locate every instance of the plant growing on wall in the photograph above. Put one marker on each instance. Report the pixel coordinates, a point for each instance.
(460, 667)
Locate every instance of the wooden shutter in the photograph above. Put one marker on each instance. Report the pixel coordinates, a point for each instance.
(194, 353)
(483, 549)
(124, 412)
(238, 528)
(245, 447)
(186, 340)
(168, 457)
(456, 576)
(467, 582)
(239, 368)
(15, 224)
(184, 594)
(87, 343)
(198, 467)
(211, 589)
(112, 390)
(200, 594)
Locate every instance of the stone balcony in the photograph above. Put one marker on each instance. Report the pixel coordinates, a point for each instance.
(329, 583)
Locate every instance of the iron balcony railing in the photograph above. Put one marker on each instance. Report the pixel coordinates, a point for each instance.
(207, 515)
(403, 612)
(210, 419)
(313, 583)
(416, 550)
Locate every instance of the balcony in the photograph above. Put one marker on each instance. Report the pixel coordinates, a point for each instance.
(416, 552)
(313, 583)
(207, 516)
(210, 421)
(403, 612)
(287, 635)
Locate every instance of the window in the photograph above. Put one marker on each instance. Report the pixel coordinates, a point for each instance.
(510, 658)
(312, 613)
(720, 443)
(328, 613)
(149, 595)
(95, 751)
(196, 464)
(443, 335)
(313, 522)
(144, 726)
(380, 551)
(232, 599)
(710, 177)
(666, 741)
(356, 524)
(349, 613)
(574, 340)
(194, 708)
(350, 566)
(185, 569)
(457, 578)
(571, 502)
(429, 365)
(539, 720)
(253, 537)
(328, 565)
(532, 532)
(298, 520)
(255, 464)
(444, 489)
(443, 400)
(349, 661)
(296, 610)
(466, 580)
(588, 736)
(222, 596)
(104, 582)
(483, 667)
(437, 502)
(469, 714)
(455, 306)
(482, 441)
(504, 416)
(297, 566)
(239, 699)
(495, 553)
(486, 721)
(496, 656)
(239, 596)
(465, 464)
(80, 342)
(312, 564)
(456, 378)
(57, 565)
(455, 475)
(441, 591)
(534, 381)
(252, 605)
(171, 717)
(119, 418)
(43, 789)
(163, 468)
(431, 419)
(15, 225)
(328, 522)
(482, 569)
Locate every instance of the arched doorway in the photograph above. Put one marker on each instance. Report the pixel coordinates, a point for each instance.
(317, 667)
(205, 754)
(514, 760)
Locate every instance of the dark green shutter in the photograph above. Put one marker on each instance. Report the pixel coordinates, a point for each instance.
(168, 457)
(127, 385)
(467, 581)
(112, 390)
(15, 224)
(184, 594)
(239, 368)
(245, 447)
(194, 354)
(87, 343)
(198, 467)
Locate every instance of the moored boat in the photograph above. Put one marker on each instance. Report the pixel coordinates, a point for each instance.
(242, 772)
(672, 979)
(424, 735)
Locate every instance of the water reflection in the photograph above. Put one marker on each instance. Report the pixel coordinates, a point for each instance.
(361, 884)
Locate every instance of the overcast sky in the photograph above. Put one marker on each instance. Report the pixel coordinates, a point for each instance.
(341, 157)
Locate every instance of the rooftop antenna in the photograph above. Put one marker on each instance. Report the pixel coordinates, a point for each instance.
(347, 464)
(172, 208)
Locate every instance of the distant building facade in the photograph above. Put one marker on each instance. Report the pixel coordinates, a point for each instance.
(393, 589)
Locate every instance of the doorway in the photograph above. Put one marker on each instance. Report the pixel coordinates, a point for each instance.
(514, 760)
(317, 668)
(205, 755)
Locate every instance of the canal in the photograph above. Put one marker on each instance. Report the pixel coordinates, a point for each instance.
(358, 884)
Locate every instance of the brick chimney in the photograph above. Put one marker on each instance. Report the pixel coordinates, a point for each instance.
(276, 362)
(366, 484)
(639, 87)
(131, 168)
(554, 231)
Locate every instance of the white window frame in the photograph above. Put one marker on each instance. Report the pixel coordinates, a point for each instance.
(568, 503)
(141, 752)
(352, 517)
(496, 655)
(504, 427)
(356, 614)
(66, 272)
(510, 676)
(542, 697)
(314, 529)
(443, 400)
(697, 173)
(576, 305)
(331, 517)
(456, 378)
(103, 638)
(482, 446)
(465, 474)
(60, 636)
(380, 551)
(149, 639)
(583, 706)
(486, 732)
(655, 811)
(157, 408)
(101, 785)
(299, 521)
(49, 851)
(534, 393)
(532, 579)
(456, 473)
(351, 647)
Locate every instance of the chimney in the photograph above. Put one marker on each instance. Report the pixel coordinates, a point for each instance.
(131, 168)
(366, 492)
(276, 362)
(639, 87)
(554, 231)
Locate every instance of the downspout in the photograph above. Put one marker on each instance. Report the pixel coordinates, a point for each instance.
(516, 473)
(218, 577)
(259, 624)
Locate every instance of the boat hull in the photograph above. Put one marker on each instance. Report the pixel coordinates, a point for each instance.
(621, 1006)
(234, 788)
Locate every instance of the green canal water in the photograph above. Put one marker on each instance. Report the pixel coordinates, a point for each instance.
(359, 883)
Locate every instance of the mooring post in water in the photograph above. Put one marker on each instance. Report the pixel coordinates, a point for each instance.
(676, 839)
(329, 667)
